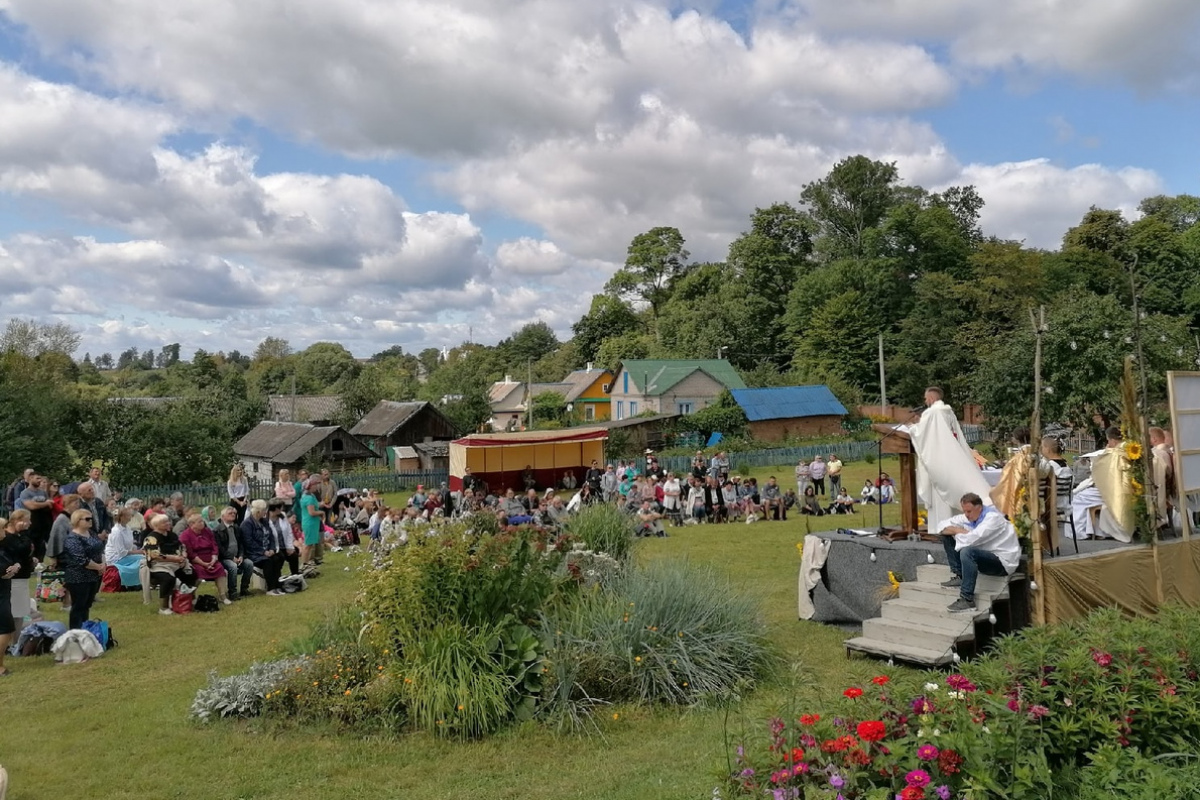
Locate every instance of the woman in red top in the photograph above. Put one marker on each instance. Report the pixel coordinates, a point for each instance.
(205, 555)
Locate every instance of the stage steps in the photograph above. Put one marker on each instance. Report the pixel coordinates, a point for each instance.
(918, 628)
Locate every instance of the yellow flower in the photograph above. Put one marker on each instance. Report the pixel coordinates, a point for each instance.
(347, 693)
(616, 716)
(892, 579)
(637, 658)
(1133, 451)
(800, 548)
(1137, 487)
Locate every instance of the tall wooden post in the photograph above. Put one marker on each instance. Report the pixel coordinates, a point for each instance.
(1032, 480)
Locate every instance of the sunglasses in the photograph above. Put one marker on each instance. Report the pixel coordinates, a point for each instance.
(87, 519)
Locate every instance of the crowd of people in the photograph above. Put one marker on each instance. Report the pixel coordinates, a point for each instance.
(87, 538)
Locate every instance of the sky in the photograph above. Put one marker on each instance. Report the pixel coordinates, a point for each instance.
(424, 172)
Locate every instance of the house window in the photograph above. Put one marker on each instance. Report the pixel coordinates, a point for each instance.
(633, 408)
(337, 445)
(589, 412)
(606, 387)
(620, 409)
(684, 406)
(626, 383)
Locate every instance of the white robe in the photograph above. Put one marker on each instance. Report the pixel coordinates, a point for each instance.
(946, 468)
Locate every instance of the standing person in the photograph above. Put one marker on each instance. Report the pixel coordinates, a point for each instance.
(205, 555)
(83, 563)
(18, 549)
(238, 489)
(8, 626)
(593, 478)
(282, 536)
(803, 478)
(13, 492)
(816, 471)
(699, 465)
(166, 558)
(328, 490)
(174, 509)
(99, 485)
(310, 521)
(672, 498)
(608, 484)
(60, 529)
(284, 488)
(301, 479)
(37, 502)
(834, 470)
(233, 553)
(101, 520)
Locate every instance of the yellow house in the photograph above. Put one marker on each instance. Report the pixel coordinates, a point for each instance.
(588, 396)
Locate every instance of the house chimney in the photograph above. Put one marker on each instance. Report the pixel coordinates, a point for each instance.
(589, 366)
(508, 379)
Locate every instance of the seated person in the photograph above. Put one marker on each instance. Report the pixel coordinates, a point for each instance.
(568, 481)
(733, 503)
(650, 521)
(694, 508)
(714, 501)
(869, 493)
(979, 540)
(887, 490)
(772, 500)
(513, 510)
(809, 504)
(843, 503)
(165, 559)
(205, 554)
(1087, 498)
(418, 499)
(528, 479)
(120, 552)
(531, 502)
(556, 512)
(233, 553)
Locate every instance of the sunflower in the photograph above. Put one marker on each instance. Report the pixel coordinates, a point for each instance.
(1133, 451)
(1137, 487)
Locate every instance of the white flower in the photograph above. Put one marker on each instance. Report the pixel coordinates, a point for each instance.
(956, 695)
(922, 734)
(937, 732)
(931, 687)
(986, 729)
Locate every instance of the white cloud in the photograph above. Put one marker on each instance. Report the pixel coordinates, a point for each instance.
(526, 256)
(1037, 201)
(1153, 46)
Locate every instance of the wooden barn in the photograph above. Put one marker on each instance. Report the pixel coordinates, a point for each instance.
(272, 446)
(391, 424)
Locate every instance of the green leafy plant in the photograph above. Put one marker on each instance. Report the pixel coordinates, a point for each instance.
(605, 529)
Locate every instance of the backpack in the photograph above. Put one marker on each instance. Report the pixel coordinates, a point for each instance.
(207, 604)
(36, 646)
(102, 632)
(293, 583)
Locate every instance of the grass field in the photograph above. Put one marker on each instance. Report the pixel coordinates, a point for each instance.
(118, 727)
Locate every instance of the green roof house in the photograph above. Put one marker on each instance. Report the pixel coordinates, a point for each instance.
(670, 386)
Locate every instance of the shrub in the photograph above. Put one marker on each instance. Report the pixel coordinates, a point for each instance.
(666, 633)
(240, 695)
(340, 625)
(346, 684)
(605, 529)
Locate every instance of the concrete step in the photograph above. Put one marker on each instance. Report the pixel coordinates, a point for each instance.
(901, 652)
(933, 594)
(937, 573)
(916, 633)
(904, 609)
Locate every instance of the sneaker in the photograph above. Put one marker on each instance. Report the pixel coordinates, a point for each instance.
(275, 593)
(954, 582)
(166, 612)
(228, 602)
(962, 604)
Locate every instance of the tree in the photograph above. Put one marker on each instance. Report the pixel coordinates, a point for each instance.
(530, 343)
(32, 338)
(1101, 231)
(322, 365)
(654, 259)
(272, 348)
(607, 317)
(430, 359)
(840, 340)
(104, 361)
(127, 359)
(168, 356)
(548, 407)
(723, 416)
(1180, 212)
(853, 198)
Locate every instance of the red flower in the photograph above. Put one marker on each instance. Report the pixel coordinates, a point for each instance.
(853, 692)
(949, 761)
(871, 731)
(880, 680)
(832, 746)
(857, 757)
(797, 754)
(912, 793)
(810, 719)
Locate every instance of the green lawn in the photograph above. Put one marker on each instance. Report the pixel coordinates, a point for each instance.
(118, 727)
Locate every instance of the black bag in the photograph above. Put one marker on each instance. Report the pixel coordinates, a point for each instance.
(207, 604)
(37, 646)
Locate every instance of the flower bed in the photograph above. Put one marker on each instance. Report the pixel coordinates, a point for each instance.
(1047, 703)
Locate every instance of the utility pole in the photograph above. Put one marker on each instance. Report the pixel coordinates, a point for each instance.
(882, 379)
(1032, 479)
(293, 417)
(529, 395)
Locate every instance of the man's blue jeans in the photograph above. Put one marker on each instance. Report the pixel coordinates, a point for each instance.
(232, 569)
(969, 563)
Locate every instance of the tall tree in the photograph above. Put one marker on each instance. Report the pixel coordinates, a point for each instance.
(654, 259)
(530, 343)
(607, 317)
(272, 348)
(852, 199)
(32, 338)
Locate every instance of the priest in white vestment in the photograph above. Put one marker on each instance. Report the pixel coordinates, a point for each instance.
(1108, 491)
(946, 466)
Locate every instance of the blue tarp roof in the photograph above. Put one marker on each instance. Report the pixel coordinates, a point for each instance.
(786, 402)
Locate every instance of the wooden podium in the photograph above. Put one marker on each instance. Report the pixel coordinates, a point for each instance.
(899, 443)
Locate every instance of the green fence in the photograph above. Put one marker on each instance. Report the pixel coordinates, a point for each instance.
(215, 494)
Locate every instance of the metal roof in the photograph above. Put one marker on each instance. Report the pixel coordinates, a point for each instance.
(662, 374)
(788, 402)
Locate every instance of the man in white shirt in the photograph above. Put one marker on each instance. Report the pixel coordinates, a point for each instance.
(979, 540)
(96, 479)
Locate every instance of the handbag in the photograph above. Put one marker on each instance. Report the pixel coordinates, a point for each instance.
(50, 586)
(181, 602)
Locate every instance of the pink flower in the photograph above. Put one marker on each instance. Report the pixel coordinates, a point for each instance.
(918, 778)
(1013, 705)
(1037, 712)
(1103, 659)
(927, 752)
(960, 683)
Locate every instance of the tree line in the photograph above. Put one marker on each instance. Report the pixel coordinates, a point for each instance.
(802, 296)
